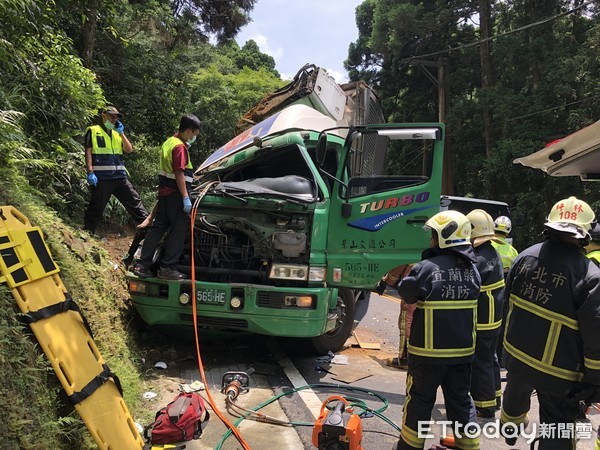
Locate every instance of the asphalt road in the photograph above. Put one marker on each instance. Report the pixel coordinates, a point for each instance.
(282, 366)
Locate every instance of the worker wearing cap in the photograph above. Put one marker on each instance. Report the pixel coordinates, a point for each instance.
(552, 339)
(106, 173)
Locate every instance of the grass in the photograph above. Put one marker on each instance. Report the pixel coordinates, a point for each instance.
(36, 414)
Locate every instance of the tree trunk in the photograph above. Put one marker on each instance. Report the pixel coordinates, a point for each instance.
(487, 72)
(88, 33)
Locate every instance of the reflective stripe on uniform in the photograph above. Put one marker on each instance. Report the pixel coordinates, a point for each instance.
(467, 443)
(490, 324)
(172, 176)
(409, 435)
(592, 364)
(542, 367)
(544, 313)
(429, 307)
(485, 403)
(557, 321)
(517, 420)
(99, 168)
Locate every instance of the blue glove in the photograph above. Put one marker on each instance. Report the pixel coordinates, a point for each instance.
(119, 127)
(187, 204)
(92, 179)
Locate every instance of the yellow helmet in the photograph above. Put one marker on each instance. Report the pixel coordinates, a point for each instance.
(572, 216)
(483, 227)
(452, 228)
(503, 225)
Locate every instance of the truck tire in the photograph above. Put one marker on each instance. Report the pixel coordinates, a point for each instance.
(336, 338)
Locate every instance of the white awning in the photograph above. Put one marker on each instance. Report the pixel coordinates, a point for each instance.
(577, 154)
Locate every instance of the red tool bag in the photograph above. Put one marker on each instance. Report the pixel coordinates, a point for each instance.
(181, 420)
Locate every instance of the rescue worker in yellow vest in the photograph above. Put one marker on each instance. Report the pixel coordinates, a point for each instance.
(485, 374)
(592, 250)
(502, 228)
(175, 177)
(106, 174)
(445, 286)
(552, 340)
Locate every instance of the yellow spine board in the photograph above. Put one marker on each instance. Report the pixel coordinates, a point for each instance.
(31, 274)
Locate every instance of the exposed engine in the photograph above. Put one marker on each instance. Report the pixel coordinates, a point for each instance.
(229, 247)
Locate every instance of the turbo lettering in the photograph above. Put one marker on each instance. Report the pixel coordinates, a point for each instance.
(394, 202)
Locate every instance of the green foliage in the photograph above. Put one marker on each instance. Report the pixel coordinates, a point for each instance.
(222, 100)
(544, 87)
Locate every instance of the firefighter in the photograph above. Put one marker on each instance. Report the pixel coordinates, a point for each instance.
(445, 287)
(485, 375)
(502, 228)
(404, 318)
(552, 340)
(593, 248)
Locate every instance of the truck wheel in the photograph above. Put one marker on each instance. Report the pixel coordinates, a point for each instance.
(336, 338)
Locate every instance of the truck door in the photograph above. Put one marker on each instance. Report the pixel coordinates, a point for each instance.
(379, 205)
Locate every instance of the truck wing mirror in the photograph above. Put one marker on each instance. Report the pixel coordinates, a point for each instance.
(321, 152)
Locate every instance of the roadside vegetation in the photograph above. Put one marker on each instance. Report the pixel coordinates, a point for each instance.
(62, 60)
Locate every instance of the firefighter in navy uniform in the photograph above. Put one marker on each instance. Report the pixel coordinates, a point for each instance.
(485, 374)
(552, 340)
(445, 286)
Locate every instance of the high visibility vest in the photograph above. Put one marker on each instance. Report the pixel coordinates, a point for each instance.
(594, 256)
(548, 338)
(507, 252)
(166, 175)
(107, 153)
(445, 288)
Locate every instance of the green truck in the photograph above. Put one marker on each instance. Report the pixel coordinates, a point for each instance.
(300, 214)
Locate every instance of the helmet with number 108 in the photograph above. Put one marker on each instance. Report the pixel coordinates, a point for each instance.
(572, 216)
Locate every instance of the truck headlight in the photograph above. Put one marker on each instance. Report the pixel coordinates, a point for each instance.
(289, 272)
(138, 287)
(298, 301)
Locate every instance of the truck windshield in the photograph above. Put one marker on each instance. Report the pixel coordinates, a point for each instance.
(381, 163)
(281, 172)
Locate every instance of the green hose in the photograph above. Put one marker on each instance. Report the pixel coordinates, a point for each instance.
(354, 402)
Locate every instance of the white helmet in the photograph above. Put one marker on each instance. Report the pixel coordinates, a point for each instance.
(483, 227)
(503, 225)
(452, 228)
(572, 216)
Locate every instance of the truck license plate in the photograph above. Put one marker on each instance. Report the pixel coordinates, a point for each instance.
(212, 296)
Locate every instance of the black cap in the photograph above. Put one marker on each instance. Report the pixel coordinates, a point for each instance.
(112, 110)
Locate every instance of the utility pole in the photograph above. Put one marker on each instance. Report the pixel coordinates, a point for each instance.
(441, 82)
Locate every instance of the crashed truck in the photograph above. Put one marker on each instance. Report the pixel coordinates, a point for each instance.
(300, 214)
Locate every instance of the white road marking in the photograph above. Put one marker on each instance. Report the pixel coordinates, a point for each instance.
(308, 396)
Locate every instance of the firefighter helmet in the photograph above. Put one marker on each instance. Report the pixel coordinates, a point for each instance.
(572, 216)
(452, 228)
(503, 225)
(483, 227)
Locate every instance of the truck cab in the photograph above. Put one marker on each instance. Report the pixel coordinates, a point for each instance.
(288, 228)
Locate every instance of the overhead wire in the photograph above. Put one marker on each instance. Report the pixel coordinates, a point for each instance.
(496, 36)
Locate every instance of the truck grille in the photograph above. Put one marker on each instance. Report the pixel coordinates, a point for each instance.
(239, 324)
